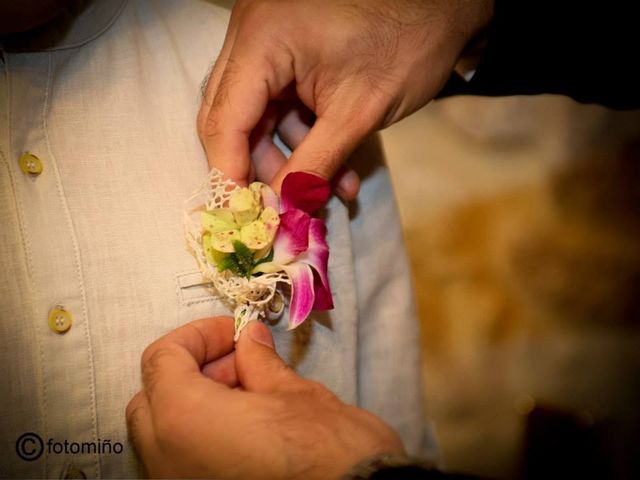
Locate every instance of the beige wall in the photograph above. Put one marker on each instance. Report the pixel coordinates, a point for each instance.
(522, 217)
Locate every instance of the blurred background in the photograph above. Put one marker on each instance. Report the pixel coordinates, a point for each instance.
(522, 219)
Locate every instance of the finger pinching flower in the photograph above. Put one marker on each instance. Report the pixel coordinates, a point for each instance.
(255, 247)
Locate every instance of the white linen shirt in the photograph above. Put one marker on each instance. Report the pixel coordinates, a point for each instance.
(106, 97)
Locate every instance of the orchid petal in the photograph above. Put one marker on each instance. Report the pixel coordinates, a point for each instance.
(304, 191)
(323, 298)
(292, 238)
(302, 296)
(317, 255)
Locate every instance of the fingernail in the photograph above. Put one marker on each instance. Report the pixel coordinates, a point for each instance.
(260, 333)
(349, 179)
(346, 195)
(348, 185)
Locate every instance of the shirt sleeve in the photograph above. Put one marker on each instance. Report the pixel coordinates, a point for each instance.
(582, 50)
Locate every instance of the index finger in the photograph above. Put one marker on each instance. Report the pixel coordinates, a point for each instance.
(179, 355)
(252, 77)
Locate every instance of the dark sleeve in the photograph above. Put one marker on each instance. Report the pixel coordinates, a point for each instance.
(585, 50)
(418, 473)
(399, 467)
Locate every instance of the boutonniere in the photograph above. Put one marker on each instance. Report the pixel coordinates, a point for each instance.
(261, 252)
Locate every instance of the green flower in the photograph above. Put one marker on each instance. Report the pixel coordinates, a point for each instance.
(237, 237)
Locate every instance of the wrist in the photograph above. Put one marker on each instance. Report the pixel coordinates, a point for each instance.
(474, 16)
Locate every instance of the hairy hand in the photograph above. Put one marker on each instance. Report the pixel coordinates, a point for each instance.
(325, 74)
(209, 411)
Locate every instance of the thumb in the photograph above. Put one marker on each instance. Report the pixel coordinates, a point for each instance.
(333, 137)
(259, 368)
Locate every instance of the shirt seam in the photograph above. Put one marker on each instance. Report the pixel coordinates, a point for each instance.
(77, 256)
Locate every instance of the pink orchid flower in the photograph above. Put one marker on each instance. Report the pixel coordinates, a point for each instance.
(300, 248)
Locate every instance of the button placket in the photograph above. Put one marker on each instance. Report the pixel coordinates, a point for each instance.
(56, 269)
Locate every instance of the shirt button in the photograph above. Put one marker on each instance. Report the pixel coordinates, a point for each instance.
(59, 319)
(30, 164)
(73, 472)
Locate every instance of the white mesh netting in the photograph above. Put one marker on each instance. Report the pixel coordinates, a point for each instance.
(256, 298)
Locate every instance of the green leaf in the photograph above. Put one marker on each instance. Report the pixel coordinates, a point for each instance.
(266, 259)
(231, 263)
(244, 257)
(241, 262)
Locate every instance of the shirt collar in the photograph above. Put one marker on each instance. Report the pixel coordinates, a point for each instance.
(79, 23)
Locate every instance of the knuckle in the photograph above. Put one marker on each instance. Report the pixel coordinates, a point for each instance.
(134, 421)
(323, 162)
(152, 359)
(210, 127)
(148, 352)
(256, 13)
(136, 415)
(242, 4)
(319, 391)
(262, 24)
(133, 416)
(219, 94)
(133, 405)
(201, 121)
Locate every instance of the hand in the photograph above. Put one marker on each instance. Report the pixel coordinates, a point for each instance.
(325, 74)
(207, 411)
